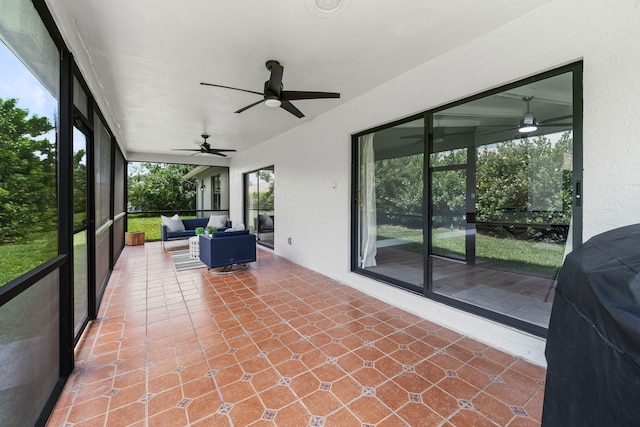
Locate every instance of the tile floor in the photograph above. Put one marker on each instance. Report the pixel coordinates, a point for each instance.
(279, 345)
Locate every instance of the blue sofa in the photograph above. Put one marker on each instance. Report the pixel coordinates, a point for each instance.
(190, 225)
(224, 249)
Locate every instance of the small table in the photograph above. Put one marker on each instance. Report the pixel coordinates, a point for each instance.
(194, 247)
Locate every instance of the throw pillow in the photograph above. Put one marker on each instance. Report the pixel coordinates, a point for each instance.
(173, 224)
(217, 221)
(238, 227)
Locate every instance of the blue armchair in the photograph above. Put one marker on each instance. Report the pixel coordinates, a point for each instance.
(224, 249)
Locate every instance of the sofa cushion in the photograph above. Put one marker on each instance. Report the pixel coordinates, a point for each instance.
(217, 221)
(193, 223)
(173, 224)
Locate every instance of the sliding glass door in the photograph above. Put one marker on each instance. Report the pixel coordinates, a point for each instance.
(483, 214)
(259, 204)
(390, 200)
(508, 190)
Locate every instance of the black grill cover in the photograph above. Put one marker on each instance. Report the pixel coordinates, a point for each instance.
(593, 346)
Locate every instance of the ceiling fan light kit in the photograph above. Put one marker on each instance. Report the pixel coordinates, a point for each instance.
(528, 124)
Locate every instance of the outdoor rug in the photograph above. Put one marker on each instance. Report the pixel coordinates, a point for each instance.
(181, 260)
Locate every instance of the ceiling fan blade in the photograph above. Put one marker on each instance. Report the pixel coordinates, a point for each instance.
(215, 153)
(234, 88)
(555, 119)
(292, 109)
(249, 106)
(292, 95)
(275, 80)
(554, 124)
(219, 150)
(186, 149)
(501, 130)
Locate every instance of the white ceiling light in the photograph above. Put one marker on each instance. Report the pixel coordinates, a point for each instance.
(528, 123)
(327, 8)
(328, 5)
(272, 102)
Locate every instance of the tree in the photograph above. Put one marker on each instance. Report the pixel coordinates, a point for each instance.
(27, 168)
(159, 186)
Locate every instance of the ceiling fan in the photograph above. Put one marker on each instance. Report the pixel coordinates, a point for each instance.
(529, 123)
(206, 148)
(274, 95)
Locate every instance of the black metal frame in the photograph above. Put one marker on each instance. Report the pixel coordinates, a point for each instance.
(245, 181)
(426, 291)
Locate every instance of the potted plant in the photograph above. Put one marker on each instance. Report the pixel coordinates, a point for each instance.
(199, 230)
(210, 230)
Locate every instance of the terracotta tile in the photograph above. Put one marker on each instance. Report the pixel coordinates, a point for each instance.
(473, 376)
(458, 388)
(277, 397)
(313, 358)
(87, 410)
(368, 377)
(406, 357)
(466, 417)
(294, 415)
(416, 414)
(93, 390)
(460, 353)
(126, 415)
(305, 384)
(265, 379)
(343, 418)
(392, 395)
(172, 417)
(492, 408)
(534, 409)
(445, 361)
(346, 389)
(412, 382)
(440, 401)
(198, 387)
(236, 392)
(203, 406)
(369, 410)
(530, 370)
(521, 381)
(524, 422)
(486, 365)
(350, 362)
(164, 382)
(507, 394)
(98, 421)
(291, 368)
(215, 420)
(246, 412)
(279, 355)
(228, 375)
(368, 353)
(329, 372)
(472, 344)
(499, 356)
(421, 348)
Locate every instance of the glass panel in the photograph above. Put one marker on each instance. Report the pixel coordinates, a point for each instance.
(502, 197)
(102, 159)
(80, 99)
(29, 77)
(29, 352)
(252, 191)
(80, 259)
(391, 202)
(266, 212)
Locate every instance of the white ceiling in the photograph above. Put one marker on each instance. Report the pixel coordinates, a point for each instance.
(144, 60)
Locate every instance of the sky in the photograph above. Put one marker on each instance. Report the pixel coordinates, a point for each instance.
(16, 81)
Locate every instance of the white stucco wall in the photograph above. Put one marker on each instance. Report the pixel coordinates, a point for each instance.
(313, 161)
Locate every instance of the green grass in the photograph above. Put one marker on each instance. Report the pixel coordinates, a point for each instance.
(149, 225)
(519, 256)
(19, 258)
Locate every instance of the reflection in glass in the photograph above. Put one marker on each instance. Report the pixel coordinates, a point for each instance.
(80, 259)
(502, 198)
(260, 210)
(390, 201)
(28, 156)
